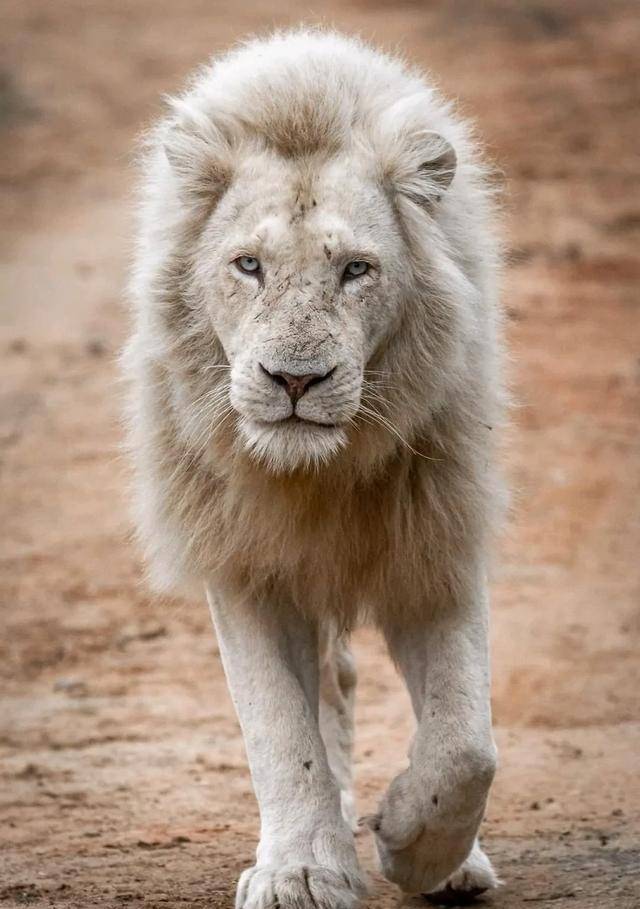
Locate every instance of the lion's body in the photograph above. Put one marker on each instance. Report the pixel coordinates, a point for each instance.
(315, 375)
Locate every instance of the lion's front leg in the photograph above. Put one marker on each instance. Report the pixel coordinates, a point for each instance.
(429, 817)
(306, 857)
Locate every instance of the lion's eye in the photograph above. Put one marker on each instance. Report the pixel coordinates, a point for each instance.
(355, 270)
(248, 264)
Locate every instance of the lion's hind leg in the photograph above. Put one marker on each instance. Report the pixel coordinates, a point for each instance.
(337, 695)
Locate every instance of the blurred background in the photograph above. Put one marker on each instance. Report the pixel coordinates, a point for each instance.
(122, 774)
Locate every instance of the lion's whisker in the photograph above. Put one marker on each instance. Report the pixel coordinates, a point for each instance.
(388, 425)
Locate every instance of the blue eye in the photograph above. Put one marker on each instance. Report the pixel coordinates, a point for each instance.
(248, 264)
(355, 270)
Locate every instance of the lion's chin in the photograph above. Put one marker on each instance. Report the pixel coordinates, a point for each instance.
(291, 445)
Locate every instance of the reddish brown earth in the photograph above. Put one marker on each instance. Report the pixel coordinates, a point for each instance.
(122, 775)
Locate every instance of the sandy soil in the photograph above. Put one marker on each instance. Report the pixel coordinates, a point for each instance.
(122, 772)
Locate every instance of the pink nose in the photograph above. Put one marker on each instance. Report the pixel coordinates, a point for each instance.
(296, 385)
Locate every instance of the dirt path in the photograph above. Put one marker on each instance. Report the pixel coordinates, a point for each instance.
(122, 776)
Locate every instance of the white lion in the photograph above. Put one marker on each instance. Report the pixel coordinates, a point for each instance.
(315, 376)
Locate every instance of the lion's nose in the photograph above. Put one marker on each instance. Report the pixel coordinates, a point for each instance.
(296, 385)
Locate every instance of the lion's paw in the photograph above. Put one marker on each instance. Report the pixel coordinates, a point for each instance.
(298, 887)
(473, 877)
(419, 847)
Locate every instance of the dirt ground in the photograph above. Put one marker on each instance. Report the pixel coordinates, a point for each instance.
(122, 773)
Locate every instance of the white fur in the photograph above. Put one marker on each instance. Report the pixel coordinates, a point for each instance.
(307, 151)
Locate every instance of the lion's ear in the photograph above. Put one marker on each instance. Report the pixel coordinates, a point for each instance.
(417, 163)
(198, 153)
(439, 166)
(424, 167)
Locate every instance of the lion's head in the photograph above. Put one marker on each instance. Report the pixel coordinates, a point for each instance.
(301, 271)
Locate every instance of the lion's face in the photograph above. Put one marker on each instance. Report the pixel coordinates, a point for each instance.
(301, 270)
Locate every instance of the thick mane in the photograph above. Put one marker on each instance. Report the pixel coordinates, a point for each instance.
(308, 95)
(309, 92)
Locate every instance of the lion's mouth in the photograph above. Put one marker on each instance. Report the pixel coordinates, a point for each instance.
(293, 441)
(295, 420)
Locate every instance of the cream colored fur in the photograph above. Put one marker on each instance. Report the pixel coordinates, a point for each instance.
(376, 498)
